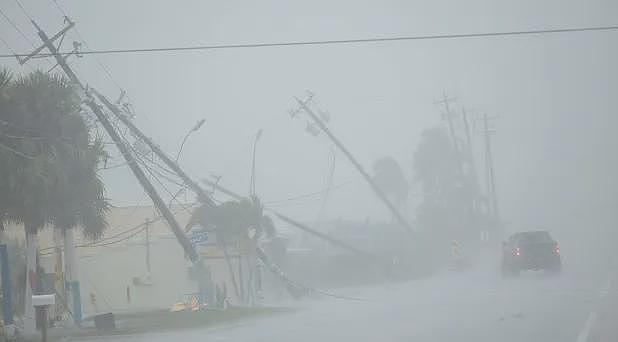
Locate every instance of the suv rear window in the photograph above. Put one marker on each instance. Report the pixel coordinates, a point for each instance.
(535, 237)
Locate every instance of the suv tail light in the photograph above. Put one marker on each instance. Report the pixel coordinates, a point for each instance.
(517, 252)
(557, 249)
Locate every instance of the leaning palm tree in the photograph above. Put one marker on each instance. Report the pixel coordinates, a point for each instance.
(240, 222)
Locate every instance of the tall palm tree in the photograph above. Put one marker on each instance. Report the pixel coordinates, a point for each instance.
(389, 177)
(51, 162)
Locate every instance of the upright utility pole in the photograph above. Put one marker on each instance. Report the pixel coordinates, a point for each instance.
(491, 182)
(118, 141)
(357, 165)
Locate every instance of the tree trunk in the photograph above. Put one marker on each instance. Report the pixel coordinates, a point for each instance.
(72, 277)
(60, 280)
(31, 267)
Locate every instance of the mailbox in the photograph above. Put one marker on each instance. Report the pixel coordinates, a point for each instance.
(43, 300)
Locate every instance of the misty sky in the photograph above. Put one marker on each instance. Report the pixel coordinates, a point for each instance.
(555, 145)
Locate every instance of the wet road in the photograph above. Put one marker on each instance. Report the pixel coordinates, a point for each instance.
(472, 306)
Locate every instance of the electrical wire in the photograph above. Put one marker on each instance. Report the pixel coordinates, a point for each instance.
(98, 61)
(18, 30)
(59, 8)
(10, 149)
(23, 9)
(337, 41)
(307, 195)
(105, 242)
(7, 44)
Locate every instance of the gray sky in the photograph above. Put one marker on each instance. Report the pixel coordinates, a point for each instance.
(555, 146)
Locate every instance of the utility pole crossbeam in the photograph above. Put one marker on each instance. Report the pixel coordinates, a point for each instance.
(51, 40)
(120, 144)
(357, 165)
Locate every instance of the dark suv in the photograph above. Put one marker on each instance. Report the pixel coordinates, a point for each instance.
(533, 250)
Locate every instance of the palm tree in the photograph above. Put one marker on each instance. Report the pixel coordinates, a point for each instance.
(231, 221)
(390, 179)
(48, 174)
(79, 201)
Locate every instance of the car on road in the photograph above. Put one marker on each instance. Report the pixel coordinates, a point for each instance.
(530, 250)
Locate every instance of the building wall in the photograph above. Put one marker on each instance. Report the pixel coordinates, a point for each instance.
(107, 269)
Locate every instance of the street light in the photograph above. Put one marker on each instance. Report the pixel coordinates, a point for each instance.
(195, 128)
(252, 182)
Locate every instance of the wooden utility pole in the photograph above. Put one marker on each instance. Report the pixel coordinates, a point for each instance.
(194, 186)
(357, 165)
(469, 149)
(491, 182)
(448, 116)
(118, 141)
(471, 159)
(203, 196)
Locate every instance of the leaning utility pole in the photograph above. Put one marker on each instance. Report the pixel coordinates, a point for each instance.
(491, 182)
(172, 164)
(203, 196)
(448, 115)
(286, 219)
(471, 160)
(469, 149)
(357, 165)
(118, 141)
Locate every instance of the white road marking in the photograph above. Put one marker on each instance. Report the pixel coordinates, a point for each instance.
(583, 335)
(585, 332)
(606, 287)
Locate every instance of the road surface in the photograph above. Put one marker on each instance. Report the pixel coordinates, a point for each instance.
(473, 306)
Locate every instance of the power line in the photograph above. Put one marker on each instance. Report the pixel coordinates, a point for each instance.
(24, 10)
(7, 44)
(334, 42)
(101, 65)
(18, 30)
(16, 152)
(307, 195)
(135, 229)
(59, 8)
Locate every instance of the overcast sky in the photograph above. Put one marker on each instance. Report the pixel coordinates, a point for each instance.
(555, 95)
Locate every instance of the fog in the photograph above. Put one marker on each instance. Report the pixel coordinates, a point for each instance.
(554, 145)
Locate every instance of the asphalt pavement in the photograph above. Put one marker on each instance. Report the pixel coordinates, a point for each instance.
(474, 305)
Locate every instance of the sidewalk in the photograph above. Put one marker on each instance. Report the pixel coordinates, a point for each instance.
(159, 321)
